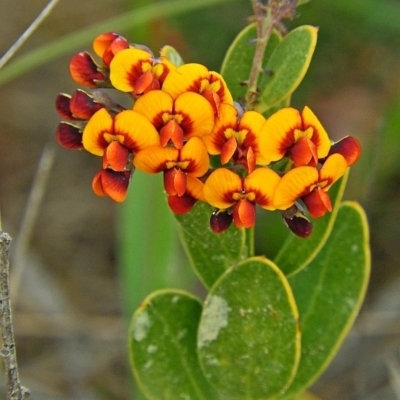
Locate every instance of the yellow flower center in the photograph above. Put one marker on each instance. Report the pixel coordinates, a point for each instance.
(166, 117)
(109, 137)
(240, 136)
(146, 66)
(206, 84)
(251, 196)
(308, 133)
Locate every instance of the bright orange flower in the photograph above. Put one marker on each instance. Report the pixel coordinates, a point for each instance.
(113, 184)
(235, 137)
(191, 160)
(137, 71)
(116, 138)
(300, 136)
(179, 119)
(108, 44)
(310, 184)
(224, 189)
(197, 78)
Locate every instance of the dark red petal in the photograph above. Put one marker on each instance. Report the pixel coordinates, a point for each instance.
(112, 183)
(63, 106)
(69, 136)
(349, 147)
(298, 223)
(85, 71)
(181, 204)
(220, 221)
(83, 106)
(317, 203)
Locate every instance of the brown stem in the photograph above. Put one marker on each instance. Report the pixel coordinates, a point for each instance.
(8, 351)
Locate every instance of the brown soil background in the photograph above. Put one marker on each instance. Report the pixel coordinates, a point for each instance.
(67, 312)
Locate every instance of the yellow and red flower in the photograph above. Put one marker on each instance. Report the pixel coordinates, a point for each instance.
(138, 71)
(113, 184)
(108, 44)
(116, 138)
(197, 78)
(294, 134)
(310, 184)
(349, 147)
(176, 120)
(224, 189)
(235, 137)
(181, 168)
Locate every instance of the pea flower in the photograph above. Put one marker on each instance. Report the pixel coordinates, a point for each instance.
(197, 78)
(176, 120)
(310, 184)
(138, 71)
(113, 184)
(294, 134)
(225, 189)
(235, 137)
(108, 44)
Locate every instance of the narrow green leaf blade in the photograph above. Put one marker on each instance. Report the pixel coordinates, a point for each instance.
(249, 337)
(211, 254)
(239, 58)
(162, 347)
(288, 64)
(329, 293)
(297, 252)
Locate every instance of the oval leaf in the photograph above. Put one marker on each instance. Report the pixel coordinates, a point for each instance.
(329, 293)
(239, 58)
(297, 252)
(162, 344)
(211, 254)
(249, 338)
(288, 64)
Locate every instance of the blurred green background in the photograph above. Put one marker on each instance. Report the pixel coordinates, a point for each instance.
(78, 283)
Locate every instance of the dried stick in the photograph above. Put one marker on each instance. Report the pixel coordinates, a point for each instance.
(8, 351)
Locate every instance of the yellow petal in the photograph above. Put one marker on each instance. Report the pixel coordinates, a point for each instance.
(194, 188)
(93, 134)
(320, 138)
(155, 159)
(220, 187)
(153, 105)
(333, 169)
(263, 181)
(277, 134)
(126, 67)
(293, 185)
(195, 152)
(138, 132)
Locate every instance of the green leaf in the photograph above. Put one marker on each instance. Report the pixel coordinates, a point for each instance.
(288, 64)
(297, 252)
(211, 254)
(329, 293)
(249, 337)
(239, 58)
(162, 345)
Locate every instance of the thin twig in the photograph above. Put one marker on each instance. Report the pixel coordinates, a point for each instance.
(30, 216)
(22, 39)
(8, 351)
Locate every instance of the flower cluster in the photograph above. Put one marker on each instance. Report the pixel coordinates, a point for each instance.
(181, 120)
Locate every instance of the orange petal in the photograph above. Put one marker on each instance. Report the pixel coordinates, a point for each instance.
(138, 133)
(277, 134)
(304, 152)
(228, 150)
(197, 113)
(93, 134)
(317, 203)
(195, 153)
(111, 183)
(146, 82)
(195, 188)
(126, 67)
(244, 214)
(171, 132)
(349, 147)
(263, 182)
(220, 187)
(154, 159)
(294, 184)
(333, 169)
(175, 182)
(153, 105)
(320, 138)
(116, 156)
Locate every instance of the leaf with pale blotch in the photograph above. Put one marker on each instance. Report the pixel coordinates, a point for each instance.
(237, 63)
(297, 252)
(287, 65)
(329, 293)
(211, 254)
(249, 337)
(162, 348)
